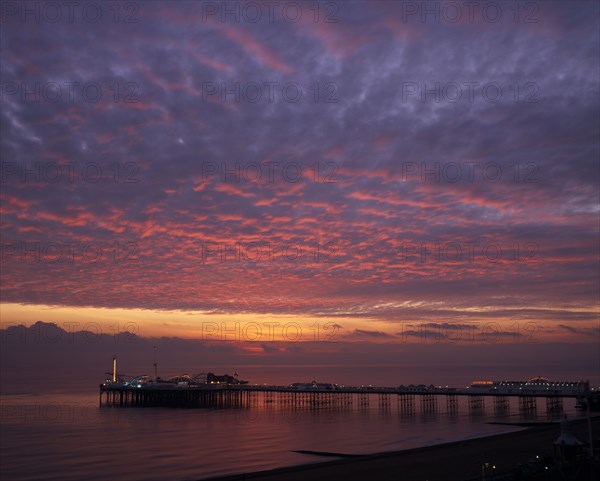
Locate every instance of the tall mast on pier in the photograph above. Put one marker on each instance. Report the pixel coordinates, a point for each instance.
(114, 377)
(155, 365)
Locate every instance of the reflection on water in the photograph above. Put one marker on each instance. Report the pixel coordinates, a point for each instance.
(65, 438)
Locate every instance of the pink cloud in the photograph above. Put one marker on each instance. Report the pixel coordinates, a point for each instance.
(255, 48)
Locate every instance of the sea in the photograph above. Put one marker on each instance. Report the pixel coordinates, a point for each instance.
(67, 435)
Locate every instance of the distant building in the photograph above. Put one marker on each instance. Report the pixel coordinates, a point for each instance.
(212, 378)
(536, 385)
(302, 386)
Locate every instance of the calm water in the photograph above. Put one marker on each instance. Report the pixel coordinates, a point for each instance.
(54, 436)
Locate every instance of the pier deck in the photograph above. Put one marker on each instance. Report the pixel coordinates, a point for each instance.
(219, 395)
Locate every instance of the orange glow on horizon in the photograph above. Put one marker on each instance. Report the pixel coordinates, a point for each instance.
(291, 328)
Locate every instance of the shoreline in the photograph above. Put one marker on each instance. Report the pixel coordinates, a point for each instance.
(454, 460)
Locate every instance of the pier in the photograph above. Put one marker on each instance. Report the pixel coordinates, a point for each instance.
(526, 396)
(207, 390)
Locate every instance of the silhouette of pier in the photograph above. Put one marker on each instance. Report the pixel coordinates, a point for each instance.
(408, 399)
(207, 390)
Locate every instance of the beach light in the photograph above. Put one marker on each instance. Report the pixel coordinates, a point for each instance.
(483, 466)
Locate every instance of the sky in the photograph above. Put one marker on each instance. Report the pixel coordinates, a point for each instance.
(364, 173)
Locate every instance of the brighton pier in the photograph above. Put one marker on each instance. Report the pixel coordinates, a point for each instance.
(211, 391)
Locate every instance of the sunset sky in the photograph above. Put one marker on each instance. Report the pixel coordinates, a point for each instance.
(360, 168)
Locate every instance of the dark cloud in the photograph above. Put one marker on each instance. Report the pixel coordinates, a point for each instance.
(362, 333)
(570, 329)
